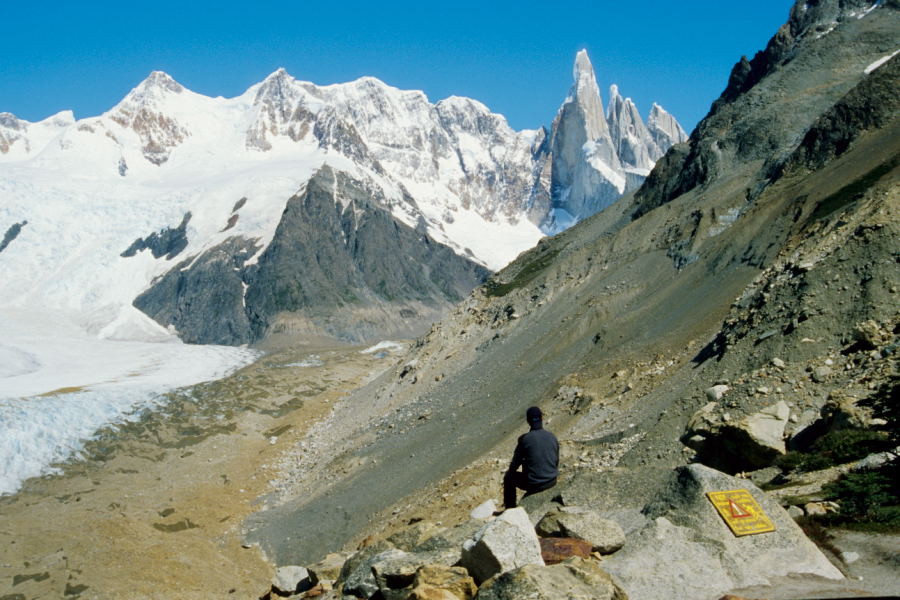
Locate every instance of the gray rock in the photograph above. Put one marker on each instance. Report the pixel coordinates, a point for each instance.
(764, 476)
(395, 571)
(748, 444)
(795, 512)
(573, 579)
(450, 539)
(715, 393)
(821, 374)
(293, 579)
(766, 427)
(686, 551)
(411, 536)
(356, 575)
(503, 544)
(584, 524)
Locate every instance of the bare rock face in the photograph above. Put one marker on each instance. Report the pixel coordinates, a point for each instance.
(506, 543)
(573, 579)
(685, 551)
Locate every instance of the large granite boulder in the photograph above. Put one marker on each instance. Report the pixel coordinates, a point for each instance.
(686, 551)
(503, 544)
(582, 523)
(574, 579)
(746, 444)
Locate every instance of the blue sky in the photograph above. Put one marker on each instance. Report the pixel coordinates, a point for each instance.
(516, 57)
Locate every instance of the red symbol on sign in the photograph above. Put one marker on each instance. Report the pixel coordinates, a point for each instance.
(738, 511)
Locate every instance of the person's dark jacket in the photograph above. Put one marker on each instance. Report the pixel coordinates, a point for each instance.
(537, 452)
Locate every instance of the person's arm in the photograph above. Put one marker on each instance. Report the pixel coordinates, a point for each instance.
(517, 458)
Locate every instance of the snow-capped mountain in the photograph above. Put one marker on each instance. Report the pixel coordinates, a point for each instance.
(212, 175)
(597, 157)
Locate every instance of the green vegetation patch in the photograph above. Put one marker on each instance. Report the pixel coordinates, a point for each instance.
(835, 448)
(526, 274)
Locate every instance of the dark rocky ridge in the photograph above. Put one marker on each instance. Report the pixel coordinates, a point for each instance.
(819, 56)
(339, 265)
(11, 234)
(168, 242)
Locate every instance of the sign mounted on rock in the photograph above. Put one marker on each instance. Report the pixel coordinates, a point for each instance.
(741, 512)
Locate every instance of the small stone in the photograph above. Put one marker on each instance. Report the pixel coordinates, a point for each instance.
(815, 509)
(777, 362)
(715, 393)
(850, 557)
(820, 374)
(762, 390)
(829, 362)
(795, 512)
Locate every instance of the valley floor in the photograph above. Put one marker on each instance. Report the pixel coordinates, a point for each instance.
(154, 509)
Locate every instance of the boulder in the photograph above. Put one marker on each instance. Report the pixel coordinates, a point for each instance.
(503, 544)
(766, 427)
(870, 336)
(394, 572)
(584, 524)
(574, 579)
(292, 580)
(554, 550)
(748, 444)
(356, 576)
(437, 582)
(686, 551)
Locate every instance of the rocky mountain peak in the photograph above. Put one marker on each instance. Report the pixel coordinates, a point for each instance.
(10, 121)
(161, 81)
(630, 136)
(664, 130)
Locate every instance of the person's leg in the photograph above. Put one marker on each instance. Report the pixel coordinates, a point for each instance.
(511, 482)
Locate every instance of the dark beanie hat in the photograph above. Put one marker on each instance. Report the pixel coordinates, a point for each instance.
(534, 415)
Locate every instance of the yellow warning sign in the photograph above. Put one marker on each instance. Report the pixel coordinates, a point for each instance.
(741, 511)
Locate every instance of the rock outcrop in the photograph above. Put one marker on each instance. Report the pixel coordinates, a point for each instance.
(686, 550)
(339, 265)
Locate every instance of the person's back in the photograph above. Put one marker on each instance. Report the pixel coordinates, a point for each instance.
(540, 457)
(537, 452)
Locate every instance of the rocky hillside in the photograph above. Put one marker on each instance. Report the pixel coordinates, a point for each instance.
(340, 265)
(747, 260)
